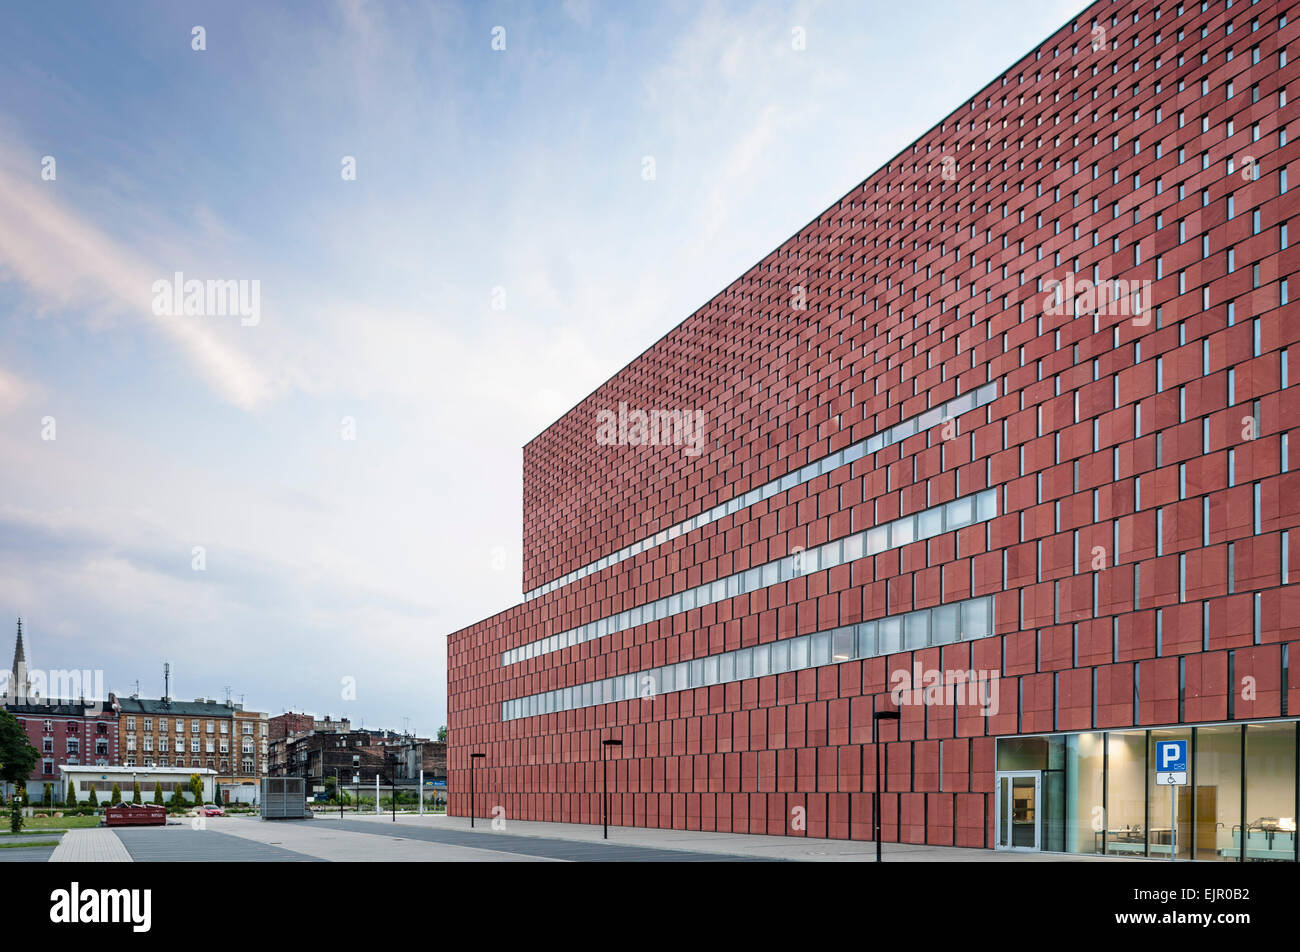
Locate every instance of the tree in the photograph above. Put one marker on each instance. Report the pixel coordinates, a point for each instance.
(94, 797)
(196, 788)
(216, 797)
(135, 796)
(442, 734)
(117, 796)
(47, 796)
(17, 755)
(178, 797)
(71, 798)
(15, 815)
(157, 793)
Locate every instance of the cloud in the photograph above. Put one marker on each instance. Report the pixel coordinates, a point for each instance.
(13, 391)
(68, 265)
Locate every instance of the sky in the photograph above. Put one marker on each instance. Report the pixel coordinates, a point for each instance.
(458, 220)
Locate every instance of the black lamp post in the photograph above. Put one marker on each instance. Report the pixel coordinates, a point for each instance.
(472, 759)
(876, 718)
(604, 797)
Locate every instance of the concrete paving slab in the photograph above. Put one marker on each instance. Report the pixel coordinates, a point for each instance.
(92, 845)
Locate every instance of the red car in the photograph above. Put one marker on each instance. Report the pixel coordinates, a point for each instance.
(212, 810)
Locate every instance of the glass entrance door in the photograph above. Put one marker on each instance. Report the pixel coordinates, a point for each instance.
(1018, 825)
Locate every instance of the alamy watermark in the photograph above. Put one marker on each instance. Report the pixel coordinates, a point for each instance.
(953, 686)
(1119, 297)
(194, 298)
(654, 427)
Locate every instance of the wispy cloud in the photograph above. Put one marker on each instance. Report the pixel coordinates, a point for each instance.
(69, 266)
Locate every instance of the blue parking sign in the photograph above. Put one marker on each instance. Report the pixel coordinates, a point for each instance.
(1171, 755)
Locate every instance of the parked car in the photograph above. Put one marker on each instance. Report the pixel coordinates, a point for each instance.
(211, 809)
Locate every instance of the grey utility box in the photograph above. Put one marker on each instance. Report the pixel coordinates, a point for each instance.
(284, 798)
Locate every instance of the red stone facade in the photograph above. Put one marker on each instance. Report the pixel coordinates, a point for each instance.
(1146, 508)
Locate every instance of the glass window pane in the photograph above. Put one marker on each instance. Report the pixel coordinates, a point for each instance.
(762, 660)
(829, 555)
(877, 539)
(959, 512)
(711, 669)
(1270, 791)
(780, 657)
(727, 667)
(842, 644)
(745, 663)
(697, 673)
(902, 531)
(866, 639)
(917, 628)
(931, 523)
(853, 546)
(890, 633)
(1126, 794)
(1083, 801)
(1217, 797)
(800, 652)
(821, 648)
(945, 625)
(975, 619)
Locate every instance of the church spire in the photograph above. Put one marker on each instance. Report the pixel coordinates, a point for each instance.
(19, 683)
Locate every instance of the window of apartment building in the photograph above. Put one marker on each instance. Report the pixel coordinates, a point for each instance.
(225, 747)
(148, 742)
(130, 761)
(210, 728)
(47, 745)
(194, 726)
(148, 723)
(248, 729)
(72, 728)
(47, 767)
(101, 728)
(130, 723)
(162, 724)
(162, 743)
(194, 746)
(211, 748)
(223, 727)
(130, 742)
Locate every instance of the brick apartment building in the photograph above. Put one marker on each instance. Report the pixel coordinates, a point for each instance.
(347, 755)
(165, 732)
(999, 442)
(287, 724)
(64, 731)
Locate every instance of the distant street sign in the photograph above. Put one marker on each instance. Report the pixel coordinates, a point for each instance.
(1171, 762)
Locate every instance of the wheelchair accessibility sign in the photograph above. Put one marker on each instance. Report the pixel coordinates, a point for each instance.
(1171, 762)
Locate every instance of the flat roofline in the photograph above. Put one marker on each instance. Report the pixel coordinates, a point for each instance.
(897, 155)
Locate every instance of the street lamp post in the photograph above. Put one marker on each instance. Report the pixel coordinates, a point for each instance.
(472, 759)
(604, 795)
(876, 718)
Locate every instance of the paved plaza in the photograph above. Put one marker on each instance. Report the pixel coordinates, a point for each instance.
(328, 838)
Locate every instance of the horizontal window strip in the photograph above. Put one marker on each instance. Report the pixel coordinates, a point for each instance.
(942, 625)
(850, 454)
(957, 514)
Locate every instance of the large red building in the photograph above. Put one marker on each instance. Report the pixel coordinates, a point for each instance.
(999, 441)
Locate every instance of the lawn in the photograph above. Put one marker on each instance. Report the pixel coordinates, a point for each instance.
(59, 822)
(49, 843)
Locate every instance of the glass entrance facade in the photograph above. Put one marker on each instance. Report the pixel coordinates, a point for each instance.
(1098, 793)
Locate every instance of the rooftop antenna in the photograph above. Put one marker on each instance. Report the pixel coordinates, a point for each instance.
(167, 681)
(137, 688)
